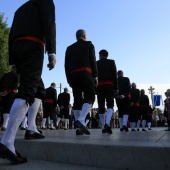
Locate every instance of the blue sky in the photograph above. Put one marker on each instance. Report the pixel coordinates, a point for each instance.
(136, 33)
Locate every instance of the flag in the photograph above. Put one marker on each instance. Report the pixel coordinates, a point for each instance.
(157, 100)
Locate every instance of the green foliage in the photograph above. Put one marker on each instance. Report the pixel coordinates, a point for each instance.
(4, 33)
(158, 110)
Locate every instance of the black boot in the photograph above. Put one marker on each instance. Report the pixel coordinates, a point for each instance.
(125, 128)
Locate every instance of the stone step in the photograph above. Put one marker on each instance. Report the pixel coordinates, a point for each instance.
(120, 151)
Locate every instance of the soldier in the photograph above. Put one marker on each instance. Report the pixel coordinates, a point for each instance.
(167, 108)
(123, 100)
(143, 108)
(149, 116)
(134, 106)
(33, 28)
(8, 90)
(81, 74)
(63, 102)
(49, 106)
(107, 88)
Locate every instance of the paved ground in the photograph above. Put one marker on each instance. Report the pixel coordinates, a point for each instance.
(119, 151)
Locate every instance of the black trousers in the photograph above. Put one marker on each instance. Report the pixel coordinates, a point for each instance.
(83, 89)
(28, 57)
(133, 113)
(149, 118)
(105, 93)
(123, 106)
(144, 112)
(49, 110)
(7, 102)
(64, 113)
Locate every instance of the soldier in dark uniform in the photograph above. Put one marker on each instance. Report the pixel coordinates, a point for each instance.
(149, 116)
(167, 108)
(143, 108)
(123, 100)
(1, 115)
(49, 105)
(33, 28)
(134, 106)
(63, 103)
(81, 74)
(8, 90)
(107, 88)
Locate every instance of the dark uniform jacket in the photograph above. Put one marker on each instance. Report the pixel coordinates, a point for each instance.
(35, 18)
(107, 72)
(64, 99)
(51, 96)
(124, 86)
(135, 95)
(124, 89)
(80, 55)
(144, 105)
(144, 100)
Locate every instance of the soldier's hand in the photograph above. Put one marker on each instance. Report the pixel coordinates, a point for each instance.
(51, 61)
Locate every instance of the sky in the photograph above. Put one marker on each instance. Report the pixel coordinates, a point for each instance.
(136, 33)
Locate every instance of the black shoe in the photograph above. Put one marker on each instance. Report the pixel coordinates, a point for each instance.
(22, 128)
(121, 129)
(167, 129)
(143, 129)
(5, 153)
(149, 129)
(65, 129)
(82, 127)
(57, 128)
(125, 128)
(79, 132)
(52, 128)
(133, 130)
(104, 131)
(29, 134)
(44, 128)
(39, 131)
(3, 129)
(108, 128)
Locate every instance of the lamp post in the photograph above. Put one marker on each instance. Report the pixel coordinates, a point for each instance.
(151, 91)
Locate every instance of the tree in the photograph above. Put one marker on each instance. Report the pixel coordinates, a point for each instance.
(158, 110)
(4, 33)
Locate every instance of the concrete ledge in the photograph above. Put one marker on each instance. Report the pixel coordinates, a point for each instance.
(120, 151)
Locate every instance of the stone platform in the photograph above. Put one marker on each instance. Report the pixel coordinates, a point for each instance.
(141, 150)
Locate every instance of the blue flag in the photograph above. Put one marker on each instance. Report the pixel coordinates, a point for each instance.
(157, 100)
